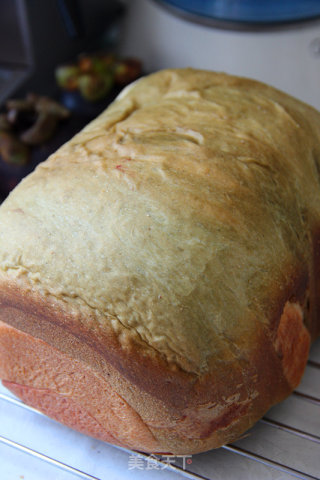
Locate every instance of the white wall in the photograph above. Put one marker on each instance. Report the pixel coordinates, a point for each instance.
(283, 57)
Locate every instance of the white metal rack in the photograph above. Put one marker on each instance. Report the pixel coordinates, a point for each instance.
(284, 445)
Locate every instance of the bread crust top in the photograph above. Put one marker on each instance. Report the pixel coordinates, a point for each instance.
(183, 216)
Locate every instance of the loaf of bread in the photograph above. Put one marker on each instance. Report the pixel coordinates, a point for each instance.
(160, 273)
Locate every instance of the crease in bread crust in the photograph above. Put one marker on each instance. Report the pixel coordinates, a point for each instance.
(188, 411)
(23, 275)
(181, 223)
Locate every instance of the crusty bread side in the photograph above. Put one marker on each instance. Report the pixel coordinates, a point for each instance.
(169, 254)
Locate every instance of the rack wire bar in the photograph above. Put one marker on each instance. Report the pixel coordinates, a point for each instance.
(293, 430)
(270, 463)
(265, 420)
(307, 398)
(19, 403)
(191, 475)
(50, 460)
(79, 473)
(314, 364)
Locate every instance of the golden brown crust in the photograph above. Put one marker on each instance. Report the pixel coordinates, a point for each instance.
(182, 262)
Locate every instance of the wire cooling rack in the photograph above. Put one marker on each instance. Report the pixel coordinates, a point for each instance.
(284, 445)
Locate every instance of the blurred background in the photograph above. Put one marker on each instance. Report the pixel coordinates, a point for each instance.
(275, 41)
(80, 53)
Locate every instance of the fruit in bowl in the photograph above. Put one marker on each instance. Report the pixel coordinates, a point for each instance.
(95, 76)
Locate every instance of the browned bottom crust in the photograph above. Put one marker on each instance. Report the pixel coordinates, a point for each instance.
(58, 365)
(68, 391)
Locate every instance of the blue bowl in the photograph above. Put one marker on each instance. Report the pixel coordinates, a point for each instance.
(257, 12)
